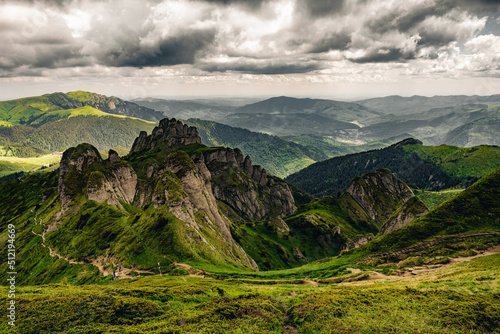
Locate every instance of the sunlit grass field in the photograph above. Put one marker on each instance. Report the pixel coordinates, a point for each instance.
(9, 165)
(459, 298)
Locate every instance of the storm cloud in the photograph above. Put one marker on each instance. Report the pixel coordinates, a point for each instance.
(179, 49)
(265, 37)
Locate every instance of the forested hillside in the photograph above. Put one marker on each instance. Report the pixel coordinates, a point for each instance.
(421, 167)
(54, 122)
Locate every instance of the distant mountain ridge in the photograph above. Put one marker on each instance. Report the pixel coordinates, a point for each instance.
(422, 167)
(54, 122)
(428, 118)
(400, 105)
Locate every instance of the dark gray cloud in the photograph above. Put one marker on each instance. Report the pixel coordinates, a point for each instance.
(479, 7)
(60, 56)
(243, 36)
(262, 68)
(403, 20)
(335, 41)
(179, 49)
(250, 4)
(436, 38)
(321, 8)
(384, 55)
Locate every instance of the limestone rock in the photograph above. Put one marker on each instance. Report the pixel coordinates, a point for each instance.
(169, 133)
(74, 162)
(408, 212)
(113, 156)
(246, 188)
(118, 184)
(358, 241)
(379, 193)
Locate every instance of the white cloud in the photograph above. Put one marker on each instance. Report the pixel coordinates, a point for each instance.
(292, 41)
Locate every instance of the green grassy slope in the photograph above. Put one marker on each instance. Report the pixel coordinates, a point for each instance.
(475, 210)
(421, 167)
(460, 299)
(57, 121)
(10, 165)
(316, 230)
(432, 199)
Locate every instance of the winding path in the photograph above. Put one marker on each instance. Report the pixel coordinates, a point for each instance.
(97, 262)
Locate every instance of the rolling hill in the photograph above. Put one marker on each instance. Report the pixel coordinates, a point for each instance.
(53, 122)
(421, 167)
(399, 105)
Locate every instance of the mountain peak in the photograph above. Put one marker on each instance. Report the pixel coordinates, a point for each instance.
(408, 141)
(170, 133)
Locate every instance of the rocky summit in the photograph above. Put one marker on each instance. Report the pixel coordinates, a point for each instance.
(170, 170)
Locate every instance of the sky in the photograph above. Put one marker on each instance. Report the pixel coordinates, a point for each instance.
(339, 49)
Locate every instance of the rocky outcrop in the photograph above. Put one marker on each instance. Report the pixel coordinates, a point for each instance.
(174, 173)
(82, 167)
(358, 241)
(408, 212)
(116, 183)
(169, 134)
(379, 193)
(114, 157)
(386, 200)
(73, 166)
(245, 187)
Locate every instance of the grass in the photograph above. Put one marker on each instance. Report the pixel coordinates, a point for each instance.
(432, 199)
(9, 165)
(459, 161)
(462, 298)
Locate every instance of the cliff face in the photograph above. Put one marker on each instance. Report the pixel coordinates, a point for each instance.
(169, 133)
(387, 200)
(74, 164)
(408, 212)
(170, 169)
(379, 193)
(82, 168)
(245, 187)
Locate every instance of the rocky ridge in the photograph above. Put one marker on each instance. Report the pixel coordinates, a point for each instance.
(387, 200)
(171, 168)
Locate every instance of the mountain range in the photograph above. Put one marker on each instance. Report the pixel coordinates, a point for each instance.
(422, 167)
(452, 120)
(277, 257)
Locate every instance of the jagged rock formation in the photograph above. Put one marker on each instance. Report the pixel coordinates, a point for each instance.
(408, 212)
(74, 164)
(379, 193)
(169, 133)
(387, 200)
(83, 168)
(246, 188)
(170, 168)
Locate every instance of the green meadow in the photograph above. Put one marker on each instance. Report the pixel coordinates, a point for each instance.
(458, 298)
(10, 165)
